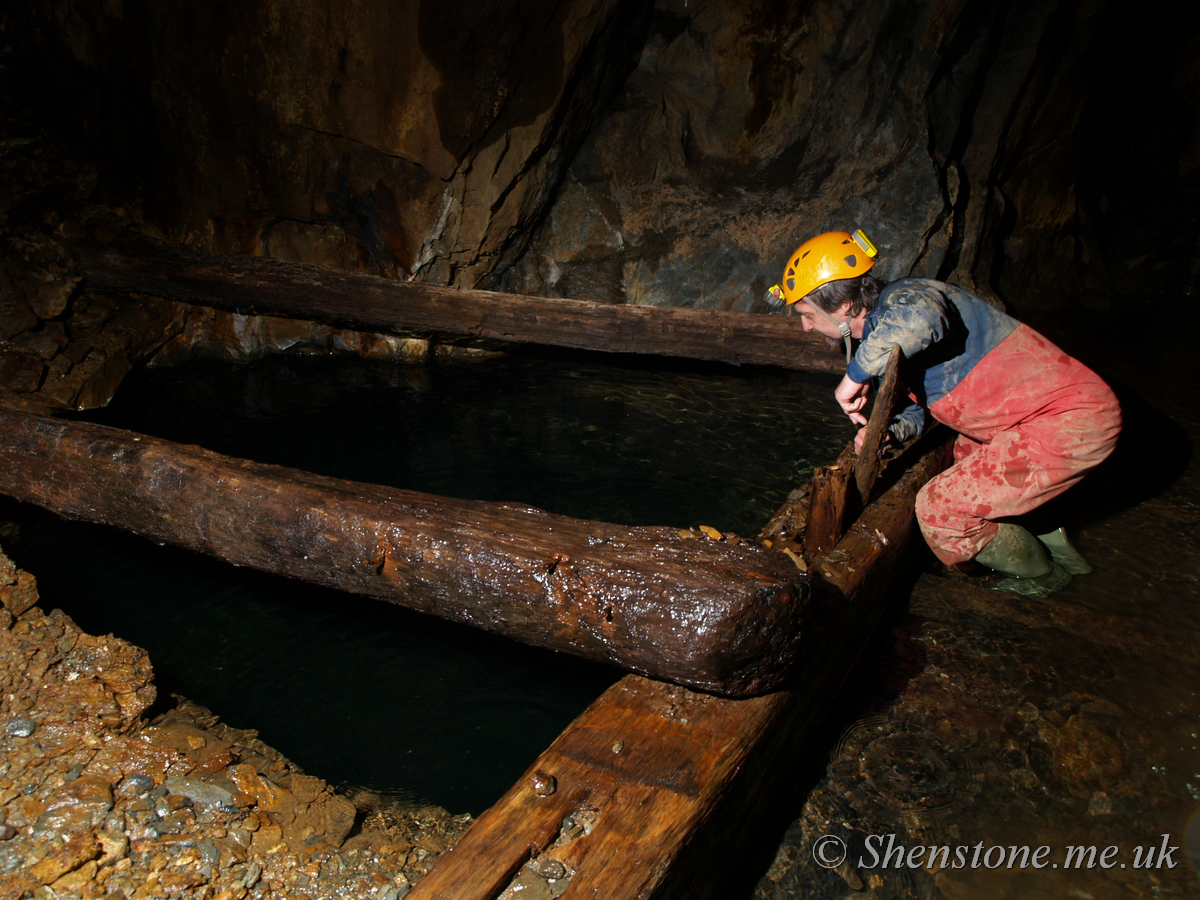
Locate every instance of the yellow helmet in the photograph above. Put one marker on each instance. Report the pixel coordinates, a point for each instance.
(826, 258)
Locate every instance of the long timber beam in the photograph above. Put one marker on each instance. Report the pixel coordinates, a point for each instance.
(366, 302)
(666, 602)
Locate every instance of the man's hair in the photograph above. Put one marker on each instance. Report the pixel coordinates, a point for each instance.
(862, 292)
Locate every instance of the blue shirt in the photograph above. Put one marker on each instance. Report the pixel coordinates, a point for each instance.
(943, 332)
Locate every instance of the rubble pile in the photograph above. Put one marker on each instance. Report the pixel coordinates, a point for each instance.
(98, 800)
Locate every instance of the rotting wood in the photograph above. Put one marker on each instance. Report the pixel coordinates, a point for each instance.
(666, 602)
(870, 458)
(829, 502)
(356, 300)
(785, 530)
(634, 795)
(841, 490)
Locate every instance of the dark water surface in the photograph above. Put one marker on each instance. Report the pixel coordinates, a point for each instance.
(375, 696)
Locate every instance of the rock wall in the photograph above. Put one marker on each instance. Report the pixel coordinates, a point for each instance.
(972, 141)
(1024, 148)
(404, 137)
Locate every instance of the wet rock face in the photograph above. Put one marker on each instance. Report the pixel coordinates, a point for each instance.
(396, 137)
(994, 146)
(743, 129)
(74, 352)
(953, 133)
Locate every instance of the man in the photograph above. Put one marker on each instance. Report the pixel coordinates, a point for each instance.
(1031, 420)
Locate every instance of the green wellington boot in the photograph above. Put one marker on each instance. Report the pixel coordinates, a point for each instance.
(1019, 555)
(1064, 553)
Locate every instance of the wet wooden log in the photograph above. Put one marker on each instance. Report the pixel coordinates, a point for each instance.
(870, 458)
(829, 504)
(354, 300)
(633, 799)
(674, 604)
(842, 489)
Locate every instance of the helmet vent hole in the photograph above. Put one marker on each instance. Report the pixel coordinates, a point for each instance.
(791, 273)
(852, 260)
(805, 253)
(791, 284)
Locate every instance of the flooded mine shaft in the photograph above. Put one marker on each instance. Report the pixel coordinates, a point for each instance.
(379, 243)
(960, 673)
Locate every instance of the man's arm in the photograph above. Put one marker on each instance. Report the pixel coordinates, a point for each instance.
(908, 423)
(915, 318)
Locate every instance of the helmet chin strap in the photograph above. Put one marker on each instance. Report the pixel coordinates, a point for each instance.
(842, 327)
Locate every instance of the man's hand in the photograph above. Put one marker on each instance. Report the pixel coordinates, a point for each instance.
(888, 439)
(852, 397)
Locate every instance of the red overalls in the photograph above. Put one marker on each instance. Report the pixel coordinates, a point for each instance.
(1031, 422)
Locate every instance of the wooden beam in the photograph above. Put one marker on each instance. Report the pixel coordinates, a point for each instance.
(666, 602)
(355, 300)
(842, 489)
(870, 458)
(631, 800)
(829, 504)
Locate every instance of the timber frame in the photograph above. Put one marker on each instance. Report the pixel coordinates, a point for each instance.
(631, 799)
(634, 797)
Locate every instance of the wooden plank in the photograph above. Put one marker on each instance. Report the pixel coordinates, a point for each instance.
(672, 603)
(829, 504)
(841, 490)
(661, 774)
(352, 299)
(870, 458)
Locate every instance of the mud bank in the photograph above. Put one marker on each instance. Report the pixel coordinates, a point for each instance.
(98, 798)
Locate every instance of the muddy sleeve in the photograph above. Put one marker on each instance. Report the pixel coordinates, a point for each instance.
(914, 318)
(908, 423)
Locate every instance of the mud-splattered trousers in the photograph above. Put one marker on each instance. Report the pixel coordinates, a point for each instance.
(1032, 421)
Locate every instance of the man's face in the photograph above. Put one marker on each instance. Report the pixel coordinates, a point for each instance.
(813, 320)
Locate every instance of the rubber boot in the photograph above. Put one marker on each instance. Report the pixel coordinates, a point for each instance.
(1016, 553)
(1064, 552)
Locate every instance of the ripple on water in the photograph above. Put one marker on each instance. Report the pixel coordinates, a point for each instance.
(895, 766)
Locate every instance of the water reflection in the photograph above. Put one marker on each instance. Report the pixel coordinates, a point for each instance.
(648, 445)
